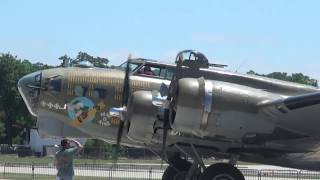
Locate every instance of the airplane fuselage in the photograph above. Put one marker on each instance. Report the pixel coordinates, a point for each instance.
(76, 101)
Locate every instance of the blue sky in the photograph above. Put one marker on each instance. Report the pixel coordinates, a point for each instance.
(266, 36)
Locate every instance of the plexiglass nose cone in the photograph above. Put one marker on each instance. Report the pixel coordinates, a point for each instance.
(29, 86)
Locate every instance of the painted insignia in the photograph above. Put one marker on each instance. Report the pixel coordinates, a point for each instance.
(82, 110)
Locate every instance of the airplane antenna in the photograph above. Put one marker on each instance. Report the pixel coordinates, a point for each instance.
(240, 65)
(129, 56)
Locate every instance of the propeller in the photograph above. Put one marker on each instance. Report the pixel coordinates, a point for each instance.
(125, 98)
(173, 88)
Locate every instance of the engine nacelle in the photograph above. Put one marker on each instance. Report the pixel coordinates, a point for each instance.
(194, 103)
(219, 109)
(142, 115)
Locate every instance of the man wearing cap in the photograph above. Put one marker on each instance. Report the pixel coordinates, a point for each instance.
(64, 159)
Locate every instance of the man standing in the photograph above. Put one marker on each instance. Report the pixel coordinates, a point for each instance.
(64, 159)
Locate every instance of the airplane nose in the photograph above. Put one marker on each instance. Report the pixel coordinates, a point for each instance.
(29, 87)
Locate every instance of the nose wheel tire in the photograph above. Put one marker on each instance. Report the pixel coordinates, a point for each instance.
(222, 171)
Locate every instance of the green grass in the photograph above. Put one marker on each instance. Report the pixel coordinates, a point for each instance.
(46, 177)
(47, 160)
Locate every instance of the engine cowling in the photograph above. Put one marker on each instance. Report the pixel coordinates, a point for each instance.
(141, 114)
(194, 101)
(219, 109)
(203, 108)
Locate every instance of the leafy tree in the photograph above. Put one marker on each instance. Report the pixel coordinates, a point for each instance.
(14, 115)
(295, 77)
(64, 58)
(85, 57)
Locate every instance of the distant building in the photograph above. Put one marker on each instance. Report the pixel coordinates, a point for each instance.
(45, 146)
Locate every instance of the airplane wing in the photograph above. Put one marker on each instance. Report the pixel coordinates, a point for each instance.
(292, 103)
(299, 113)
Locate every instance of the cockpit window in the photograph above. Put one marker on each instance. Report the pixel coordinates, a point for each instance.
(167, 73)
(149, 71)
(156, 71)
(133, 66)
(170, 73)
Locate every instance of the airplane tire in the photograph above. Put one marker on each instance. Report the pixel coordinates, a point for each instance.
(178, 172)
(222, 171)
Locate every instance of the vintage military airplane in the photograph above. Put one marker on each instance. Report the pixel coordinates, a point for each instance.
(186, 109)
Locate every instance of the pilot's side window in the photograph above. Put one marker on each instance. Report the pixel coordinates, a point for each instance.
(163, 73)
(170, 73)
(156, 71)
(167, 73)
(149, 70)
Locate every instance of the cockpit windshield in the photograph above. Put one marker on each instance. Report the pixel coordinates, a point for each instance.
(132, 66)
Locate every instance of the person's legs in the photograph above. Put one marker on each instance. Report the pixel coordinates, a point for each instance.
(64, 178)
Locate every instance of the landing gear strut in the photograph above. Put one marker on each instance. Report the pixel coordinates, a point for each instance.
(181, 169)
(178, 168)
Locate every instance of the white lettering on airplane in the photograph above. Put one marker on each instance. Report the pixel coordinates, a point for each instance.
(51, 105)
(104, 121)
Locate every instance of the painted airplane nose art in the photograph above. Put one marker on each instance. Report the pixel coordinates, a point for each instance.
(82, 110)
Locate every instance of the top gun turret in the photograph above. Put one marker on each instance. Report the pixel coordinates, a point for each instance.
(195, 59)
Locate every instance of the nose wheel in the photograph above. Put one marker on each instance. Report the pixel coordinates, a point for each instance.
(219, 171)
(222, 171)
(181, 169)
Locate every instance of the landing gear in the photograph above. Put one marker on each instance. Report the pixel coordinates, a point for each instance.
(181, 169)
(174, 174)
(222, 171)
(177, 170)
(219, 171)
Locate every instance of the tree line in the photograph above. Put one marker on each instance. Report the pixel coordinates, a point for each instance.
(294, 77)
(14, 116)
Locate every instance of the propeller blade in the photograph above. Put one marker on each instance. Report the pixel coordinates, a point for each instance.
(165, 132)
(125, 98)
(126, 84)
(171, 93)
